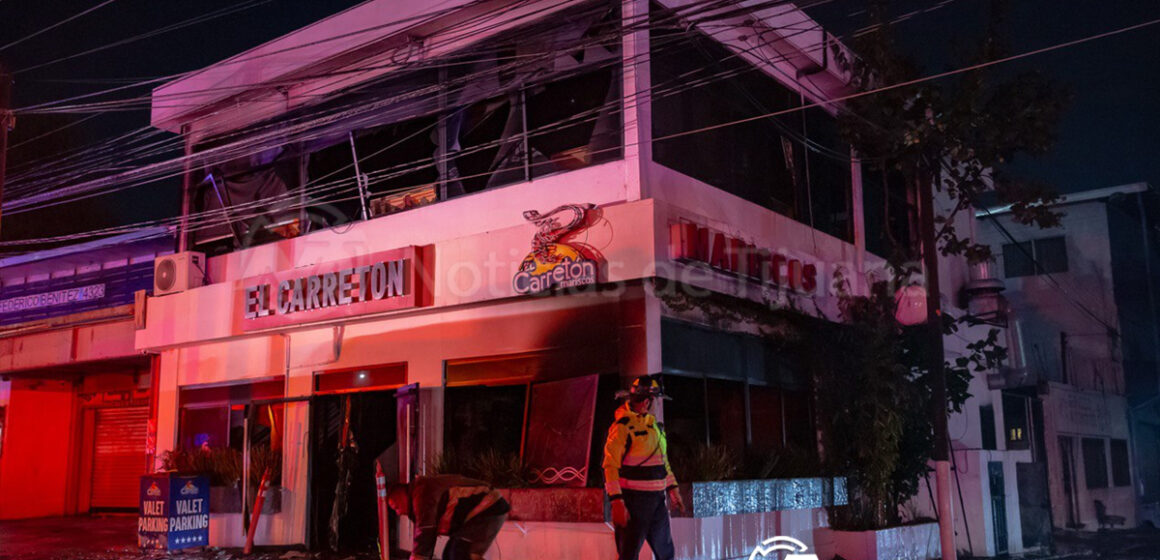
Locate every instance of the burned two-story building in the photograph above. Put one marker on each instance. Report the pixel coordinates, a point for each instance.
(446, 233)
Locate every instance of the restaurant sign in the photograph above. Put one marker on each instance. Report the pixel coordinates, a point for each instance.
(553, 264)
(372, 283)
(692, 243)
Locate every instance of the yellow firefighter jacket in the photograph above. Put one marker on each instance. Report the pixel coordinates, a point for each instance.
(636, 455)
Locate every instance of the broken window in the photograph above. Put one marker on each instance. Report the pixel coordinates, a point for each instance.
(482, 419)
(244, 201)
(828, 175)
(755, 160)
(559, 113)
(890, 211)
(536, 100)
(220, 419)
(715, 119)
(727, 421)
(511, 409)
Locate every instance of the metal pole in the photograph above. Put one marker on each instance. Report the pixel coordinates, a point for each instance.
(358, 177)
(183, 235)
(6, 122)
(941, 451)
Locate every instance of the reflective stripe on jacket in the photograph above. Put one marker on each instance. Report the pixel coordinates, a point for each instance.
(636, 455)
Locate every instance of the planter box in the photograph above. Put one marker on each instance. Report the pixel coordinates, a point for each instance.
(567, 505)
(908, 542)
(734, 497)
(228, 499)
(702, 499)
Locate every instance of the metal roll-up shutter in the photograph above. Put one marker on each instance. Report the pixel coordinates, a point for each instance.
(118, 456)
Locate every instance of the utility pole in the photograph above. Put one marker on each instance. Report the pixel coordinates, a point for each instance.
(6, 122)
(941, 452)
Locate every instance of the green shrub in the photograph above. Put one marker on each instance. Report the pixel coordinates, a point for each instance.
(499, 469)
(704, 463)
(223, 465)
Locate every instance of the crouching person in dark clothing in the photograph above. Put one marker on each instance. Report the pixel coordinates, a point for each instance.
(469, 512)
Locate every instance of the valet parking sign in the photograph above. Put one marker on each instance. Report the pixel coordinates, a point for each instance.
(174, 512)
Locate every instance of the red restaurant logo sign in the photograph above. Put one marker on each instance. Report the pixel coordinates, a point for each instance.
(372, 283)
(693, 243)
(552, 264)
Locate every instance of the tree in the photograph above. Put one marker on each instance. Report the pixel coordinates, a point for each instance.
(960, 136)
(953, 141)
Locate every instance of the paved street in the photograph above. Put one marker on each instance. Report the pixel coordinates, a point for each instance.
(1129, 544)
(69, 537)
(114, 537)
(106, 538)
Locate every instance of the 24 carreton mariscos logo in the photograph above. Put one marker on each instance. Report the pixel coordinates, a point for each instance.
(552, 264)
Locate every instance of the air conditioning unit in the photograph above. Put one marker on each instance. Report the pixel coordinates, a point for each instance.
(178, 272)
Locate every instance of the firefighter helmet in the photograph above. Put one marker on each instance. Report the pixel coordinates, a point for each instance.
(642, 388)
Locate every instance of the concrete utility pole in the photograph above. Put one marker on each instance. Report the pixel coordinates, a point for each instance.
(6, 122)
(941, 453)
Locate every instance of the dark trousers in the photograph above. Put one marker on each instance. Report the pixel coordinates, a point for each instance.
(473, 539)
(648, 520)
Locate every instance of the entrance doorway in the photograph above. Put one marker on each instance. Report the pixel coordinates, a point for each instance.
(1067, 456)
(343, 503)
(998, 505)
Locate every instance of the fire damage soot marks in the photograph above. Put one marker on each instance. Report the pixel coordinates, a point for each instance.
(551, 264)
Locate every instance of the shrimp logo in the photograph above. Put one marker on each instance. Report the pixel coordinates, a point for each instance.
(770, 547)
(553, 264)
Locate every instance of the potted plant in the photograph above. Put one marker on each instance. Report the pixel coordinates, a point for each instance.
(223, 467)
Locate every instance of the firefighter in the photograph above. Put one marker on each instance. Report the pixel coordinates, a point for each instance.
(637, 474)
(469, 512)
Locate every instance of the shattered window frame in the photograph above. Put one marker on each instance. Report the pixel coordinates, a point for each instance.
(542, 104)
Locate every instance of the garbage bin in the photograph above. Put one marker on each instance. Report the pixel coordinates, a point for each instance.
(174, 512)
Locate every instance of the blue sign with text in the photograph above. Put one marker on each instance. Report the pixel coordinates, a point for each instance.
(174, 512)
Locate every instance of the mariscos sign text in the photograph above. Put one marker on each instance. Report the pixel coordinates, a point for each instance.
(693, 243)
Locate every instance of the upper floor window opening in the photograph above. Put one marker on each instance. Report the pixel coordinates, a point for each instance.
(537, 100)
(794, 163)
(1031, 258)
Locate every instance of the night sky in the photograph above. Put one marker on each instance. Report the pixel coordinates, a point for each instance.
(1108, 137)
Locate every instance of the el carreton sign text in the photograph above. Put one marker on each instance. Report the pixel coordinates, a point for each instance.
(373, 283)
(693, 243)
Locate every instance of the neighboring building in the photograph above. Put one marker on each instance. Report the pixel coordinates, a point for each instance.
(75, 396)
(991, 475)
(1084, 379)
(543, 182)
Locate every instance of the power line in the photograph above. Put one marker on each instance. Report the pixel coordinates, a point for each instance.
(173, 27)
(814, 4)
(731, 55)
(912, 82)
(281, 137)
(55, 25)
